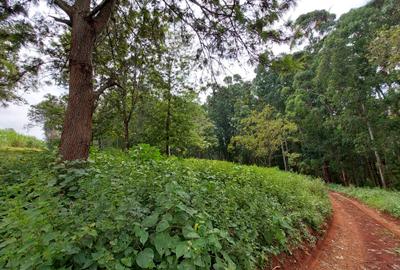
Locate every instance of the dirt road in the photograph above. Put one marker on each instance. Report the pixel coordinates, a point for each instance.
(359, 238)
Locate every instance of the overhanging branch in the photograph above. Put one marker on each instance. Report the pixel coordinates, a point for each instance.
(64, 6)
(110, 83)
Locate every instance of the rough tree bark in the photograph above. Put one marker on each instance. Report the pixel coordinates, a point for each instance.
(86, 24)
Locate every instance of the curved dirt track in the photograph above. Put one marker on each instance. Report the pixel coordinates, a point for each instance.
(358, 238)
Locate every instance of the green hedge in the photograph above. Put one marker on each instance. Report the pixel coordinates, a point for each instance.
(138, 210)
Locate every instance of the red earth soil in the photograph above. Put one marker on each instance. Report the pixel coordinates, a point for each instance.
(358, 238)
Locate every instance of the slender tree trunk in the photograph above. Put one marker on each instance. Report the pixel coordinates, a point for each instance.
(126, 135)
(373, 172)
(379, 163)
(287, 151)
(326, 172)
(168, 126)
(356, 179)
(169, 112)
(284, 157)
(344, 178)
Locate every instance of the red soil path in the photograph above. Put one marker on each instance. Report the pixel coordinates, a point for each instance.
(359, 238)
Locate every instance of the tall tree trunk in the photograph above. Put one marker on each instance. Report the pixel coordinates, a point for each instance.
(86, 25)
(126, 135)
(287, 151)
(169, 113)
(379, 163)
(77, 130)
(168, 126)
(326, 172)
(344, 178)
(373, 173)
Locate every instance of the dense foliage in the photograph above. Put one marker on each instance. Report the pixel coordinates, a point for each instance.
(10, 138)
(136, 209)
(384, 200)
(340, 90)
(17, 70)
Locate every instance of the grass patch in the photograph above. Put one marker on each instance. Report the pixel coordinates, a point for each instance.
(384, 200)
(10, 139)
(138, 210)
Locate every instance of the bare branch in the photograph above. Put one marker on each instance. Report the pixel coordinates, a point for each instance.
(64, 21)
(64, 6)
(110, 83)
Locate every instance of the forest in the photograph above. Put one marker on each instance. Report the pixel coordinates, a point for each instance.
(156, 157)
(329, 109)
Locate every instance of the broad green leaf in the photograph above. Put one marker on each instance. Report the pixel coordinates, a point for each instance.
(150, 221)
(142, 234)
(189, 232)
(162, 226)
(127, 261)
(145, 258)
(187, 265)
(182, 249)
(162, 241)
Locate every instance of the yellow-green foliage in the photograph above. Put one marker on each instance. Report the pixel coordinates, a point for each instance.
(384, 200)
(11, 139)
(263, 132)
(140, 210)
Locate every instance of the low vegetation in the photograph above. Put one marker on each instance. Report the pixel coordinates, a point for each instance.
(381, 199)
(139, 210)
(11, 139)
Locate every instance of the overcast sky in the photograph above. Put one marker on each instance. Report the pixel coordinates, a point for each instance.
(16, 116)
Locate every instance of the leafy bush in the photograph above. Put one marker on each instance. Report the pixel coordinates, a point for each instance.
(381, 199)
(138, 210)
(10, 138)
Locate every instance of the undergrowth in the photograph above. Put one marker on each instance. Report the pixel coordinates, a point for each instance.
(138, 210)
(381, 199)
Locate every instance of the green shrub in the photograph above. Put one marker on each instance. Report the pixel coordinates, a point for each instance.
(138, 210)
(381, 199)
